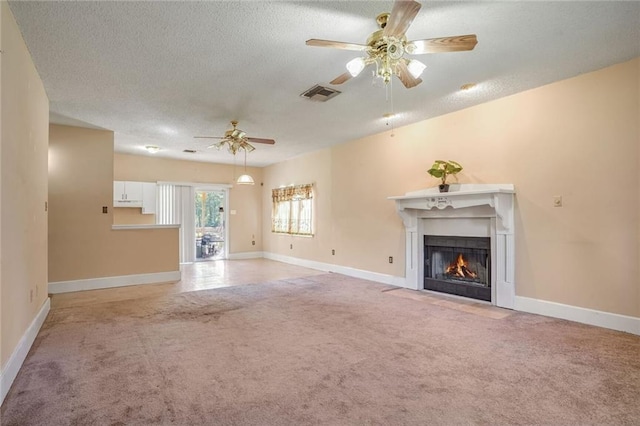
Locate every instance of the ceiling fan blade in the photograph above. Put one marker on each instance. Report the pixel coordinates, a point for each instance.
(401, 17)
(336, 44)
(442, 44)
(260, 140)
(405, 76)
(206, 137)
(341, 78)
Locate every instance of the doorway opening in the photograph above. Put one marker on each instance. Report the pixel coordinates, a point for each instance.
(210, 226)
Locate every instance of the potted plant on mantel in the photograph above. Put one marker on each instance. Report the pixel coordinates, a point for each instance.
(442, 170)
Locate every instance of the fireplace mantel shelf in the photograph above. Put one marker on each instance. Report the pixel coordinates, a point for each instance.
(497, 196)
(494, 202)
(459, 190)
(429, 193)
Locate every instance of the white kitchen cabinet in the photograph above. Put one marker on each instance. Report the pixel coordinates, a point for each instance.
(127, 194)
(148, 198)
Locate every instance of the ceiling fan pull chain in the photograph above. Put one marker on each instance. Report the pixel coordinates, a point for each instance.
(234, 168)
(391, 114)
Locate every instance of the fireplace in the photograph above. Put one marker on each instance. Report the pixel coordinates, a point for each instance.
(482, 212)
(458, 265)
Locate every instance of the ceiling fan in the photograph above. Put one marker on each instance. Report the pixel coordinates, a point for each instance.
(236, 139)
(386, 48)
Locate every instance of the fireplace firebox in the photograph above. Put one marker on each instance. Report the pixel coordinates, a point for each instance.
(458, 265)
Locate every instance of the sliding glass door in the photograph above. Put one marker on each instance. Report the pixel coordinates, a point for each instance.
(210, 225)
(201, 212)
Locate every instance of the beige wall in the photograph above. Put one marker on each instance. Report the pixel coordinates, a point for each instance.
(132, 216)
(313, 168)
(24, 124)
(2, 360)
(81, 242)
(2, 343)
(244, 199)
(577, 138)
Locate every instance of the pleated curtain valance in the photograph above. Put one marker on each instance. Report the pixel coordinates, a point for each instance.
(291, 193)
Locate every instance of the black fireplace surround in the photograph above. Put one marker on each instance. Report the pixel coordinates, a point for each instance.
(458, 265)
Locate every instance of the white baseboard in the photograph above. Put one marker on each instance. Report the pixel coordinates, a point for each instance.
(583, 315)
(10, 370)
(246, 255)
(109, 282)
(345, 270)
(525, 304)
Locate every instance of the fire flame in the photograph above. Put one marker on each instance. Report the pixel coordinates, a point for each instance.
(460, 268)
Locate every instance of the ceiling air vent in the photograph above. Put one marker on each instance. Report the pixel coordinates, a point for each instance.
(189, 151)
(320, 93)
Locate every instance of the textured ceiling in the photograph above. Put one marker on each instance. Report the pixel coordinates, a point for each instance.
(159, 73)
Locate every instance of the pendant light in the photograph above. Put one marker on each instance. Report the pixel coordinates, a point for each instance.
(245, 179)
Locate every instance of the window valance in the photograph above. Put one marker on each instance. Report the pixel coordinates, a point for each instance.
(291, 193)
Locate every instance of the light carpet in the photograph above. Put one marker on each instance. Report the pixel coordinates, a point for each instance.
(326, 349)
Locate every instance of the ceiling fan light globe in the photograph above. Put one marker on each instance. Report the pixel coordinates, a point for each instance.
(415, 68)
(355, 66)
(245, 180)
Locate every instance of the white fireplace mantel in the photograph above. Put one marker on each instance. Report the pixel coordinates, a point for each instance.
(492, 202)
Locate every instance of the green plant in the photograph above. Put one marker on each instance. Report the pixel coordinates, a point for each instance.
(442, 169)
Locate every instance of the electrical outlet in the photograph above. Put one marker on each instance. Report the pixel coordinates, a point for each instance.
(105, 209)
(390, 259)
(557, 201)
(253, 243)
(291, 246)
(46, 206)
(333, 252)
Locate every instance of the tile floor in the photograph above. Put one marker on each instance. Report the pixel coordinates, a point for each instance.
(226, 273)
(195, 276)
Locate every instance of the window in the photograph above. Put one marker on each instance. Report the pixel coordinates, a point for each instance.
(292, 210)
